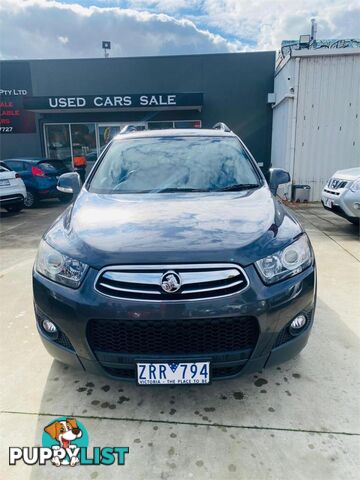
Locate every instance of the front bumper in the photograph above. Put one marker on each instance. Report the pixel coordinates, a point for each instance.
(50, 192)
(11, 199)
(342, 202)
(272, 307)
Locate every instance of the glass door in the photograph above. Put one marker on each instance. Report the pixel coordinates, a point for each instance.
(84, 148)
(58, 144)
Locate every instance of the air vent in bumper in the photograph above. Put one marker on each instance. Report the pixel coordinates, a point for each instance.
(173, 337)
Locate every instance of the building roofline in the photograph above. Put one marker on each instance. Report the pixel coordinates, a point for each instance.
(186, 55)
(321, 52)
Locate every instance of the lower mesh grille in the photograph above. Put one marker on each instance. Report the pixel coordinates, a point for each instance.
(174, 337)
(220, 372)
(121, 372)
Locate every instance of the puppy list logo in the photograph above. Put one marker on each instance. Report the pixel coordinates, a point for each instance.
(65, 434)
(65, 441)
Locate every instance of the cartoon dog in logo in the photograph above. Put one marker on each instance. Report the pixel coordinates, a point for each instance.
(64, 431)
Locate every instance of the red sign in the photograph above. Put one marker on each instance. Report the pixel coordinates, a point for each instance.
(15, 86)
(13, 119)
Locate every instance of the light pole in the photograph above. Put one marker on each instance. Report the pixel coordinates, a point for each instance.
(106, 46)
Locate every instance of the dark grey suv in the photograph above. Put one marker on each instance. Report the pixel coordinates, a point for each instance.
(175, 264)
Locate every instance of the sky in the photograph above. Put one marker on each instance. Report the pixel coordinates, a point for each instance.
(75, 29)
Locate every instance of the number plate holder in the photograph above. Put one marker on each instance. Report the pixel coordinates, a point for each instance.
(329, 203)
(173, 373)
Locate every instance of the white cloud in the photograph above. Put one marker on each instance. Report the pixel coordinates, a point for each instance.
(63, 40)
(270, 22)
(51, 29)
(30, 29)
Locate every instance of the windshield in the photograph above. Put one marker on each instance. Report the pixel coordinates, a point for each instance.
(158, 164)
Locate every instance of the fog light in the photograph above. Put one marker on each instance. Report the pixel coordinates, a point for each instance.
(357, 206)
(49, 327)
(298, 322)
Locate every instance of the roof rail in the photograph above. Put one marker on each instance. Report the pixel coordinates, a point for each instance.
(221, 126)
(128, 129)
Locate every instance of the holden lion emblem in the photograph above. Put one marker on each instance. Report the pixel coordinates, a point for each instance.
(170, 282)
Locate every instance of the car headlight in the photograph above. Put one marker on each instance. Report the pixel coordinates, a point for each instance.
(355, 186)
(58, 267)
(287, 262)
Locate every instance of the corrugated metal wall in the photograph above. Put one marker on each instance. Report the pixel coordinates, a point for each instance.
(327, 133)
(328, 119)
(282, 117)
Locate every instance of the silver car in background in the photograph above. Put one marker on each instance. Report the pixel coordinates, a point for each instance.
(341, 194)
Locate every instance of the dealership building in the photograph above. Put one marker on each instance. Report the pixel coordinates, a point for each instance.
(61, 109)
(302, 114)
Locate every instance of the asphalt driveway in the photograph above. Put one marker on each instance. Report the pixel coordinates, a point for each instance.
(299, 420)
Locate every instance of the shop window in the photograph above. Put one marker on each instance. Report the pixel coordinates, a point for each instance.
(84, 151)
(57, 140)
(188, 124)
(160, 125)
(83, 140)
(107, 133)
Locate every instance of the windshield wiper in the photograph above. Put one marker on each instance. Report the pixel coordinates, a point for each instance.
(238, 186)
(174, 189)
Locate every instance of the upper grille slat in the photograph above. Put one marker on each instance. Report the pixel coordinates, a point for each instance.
(211, 289)
(139, 278)
(217, 275)
(196, 281)
(123, 289)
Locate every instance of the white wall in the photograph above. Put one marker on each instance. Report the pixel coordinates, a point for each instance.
(282, 122)
(327, 117)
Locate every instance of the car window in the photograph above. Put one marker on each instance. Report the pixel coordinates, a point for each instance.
(15, 165)
(179, 163)
(3, 167)
(52, 164)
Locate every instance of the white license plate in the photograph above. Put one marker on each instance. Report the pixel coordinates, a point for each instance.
(328, 203)
(4, 183)
(173, 373)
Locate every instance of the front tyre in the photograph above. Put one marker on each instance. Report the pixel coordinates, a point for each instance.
(15, 208)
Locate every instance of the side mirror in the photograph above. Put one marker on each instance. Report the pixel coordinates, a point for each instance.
(278, 176)
(69, 183)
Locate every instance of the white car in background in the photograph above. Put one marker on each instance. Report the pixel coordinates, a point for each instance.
(341, 194)
(12, 190)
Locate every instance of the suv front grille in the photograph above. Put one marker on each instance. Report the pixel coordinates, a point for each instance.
(173, 337)
(171, 282)
(336, 183)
